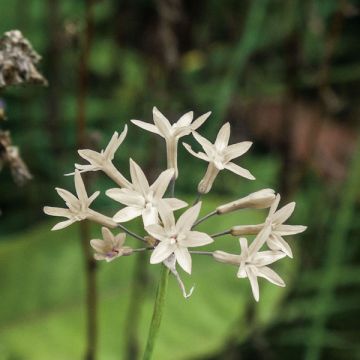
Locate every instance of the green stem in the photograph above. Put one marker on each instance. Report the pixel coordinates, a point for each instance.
(157, 313)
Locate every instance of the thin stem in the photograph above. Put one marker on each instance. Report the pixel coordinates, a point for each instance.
(143, 249)
(222, 233)
(210, 253)
(205, 218)
(129, 232)
(157, 313)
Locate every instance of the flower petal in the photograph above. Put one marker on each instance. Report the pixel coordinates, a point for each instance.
(119, 240)
(138, 178)
(187, 219)
(274, 206)
(114, 144)
(276, 242)
(284, 213)
(200, 120)
(166, 215)
(63, 224)
(260, 240)
(253, 281)
(146, 126)
(68, 197)
(175, 204)
(126, 196)
(263, 258)
(150, 216)
(157, 231)
(183, 258)
(56, 211)
(107, 236)
(239, 170)
(236, 150)
(196, 238)
(162, 251)
(285, 230)
(127, 213)
(205, 143)
(92, 198)
(162, 183)
(80, 188)
(199, 154)
(93, 157)
(98, 245)
(162, 123)
(223, 137)
(270, 275)
(185, 120)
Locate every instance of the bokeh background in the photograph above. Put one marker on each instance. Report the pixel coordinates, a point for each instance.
(285, 74)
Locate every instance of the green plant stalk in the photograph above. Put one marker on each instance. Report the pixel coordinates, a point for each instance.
(158, 312)
(334, 258)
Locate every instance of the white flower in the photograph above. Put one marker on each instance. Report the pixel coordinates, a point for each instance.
(78, 207)
(176, 238)
(253, 264)
(172, 133)
(276, 219)
(219, 156)
(143, 199)
(110, 247)
(103, 160)
(258, 200)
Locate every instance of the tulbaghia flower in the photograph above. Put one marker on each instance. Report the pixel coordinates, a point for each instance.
(176, 238)
(172, 133)
(143, 199)
(219, 156)
(258, 200)
(253, 264)
(78, 207)
(110, 247)
(103, 160)
(275, 219)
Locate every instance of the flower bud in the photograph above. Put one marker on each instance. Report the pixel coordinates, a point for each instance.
(257, 200)
(226, 258)
(246, 229)
(208, 179)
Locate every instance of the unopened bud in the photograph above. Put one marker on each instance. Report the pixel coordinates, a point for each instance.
(246, 229)
(258, 200)
(226, 258)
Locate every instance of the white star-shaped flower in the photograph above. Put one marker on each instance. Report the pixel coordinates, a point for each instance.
(78, 207)
(176, 238)
(110, 247)
(171, 133)
(276, 219)
(253, 264)
(143, 199)
(219, 156)
(103, 160)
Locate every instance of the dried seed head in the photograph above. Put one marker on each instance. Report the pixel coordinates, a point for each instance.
(18, 61)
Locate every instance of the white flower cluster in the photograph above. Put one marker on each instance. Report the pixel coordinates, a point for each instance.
(170, 240)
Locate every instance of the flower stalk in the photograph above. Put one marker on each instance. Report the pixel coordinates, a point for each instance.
(158, 313)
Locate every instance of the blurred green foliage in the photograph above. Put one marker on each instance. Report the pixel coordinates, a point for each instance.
(228, 54)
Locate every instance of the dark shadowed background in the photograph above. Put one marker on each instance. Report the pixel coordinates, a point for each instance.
(285, 74)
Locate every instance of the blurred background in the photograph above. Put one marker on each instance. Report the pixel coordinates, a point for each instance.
(285, 74)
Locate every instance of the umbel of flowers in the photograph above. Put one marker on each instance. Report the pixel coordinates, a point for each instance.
(172, 241)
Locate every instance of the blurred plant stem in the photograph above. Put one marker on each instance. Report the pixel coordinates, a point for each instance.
(136, 300)
(336, 247)
(158, 312)
(90, 263)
